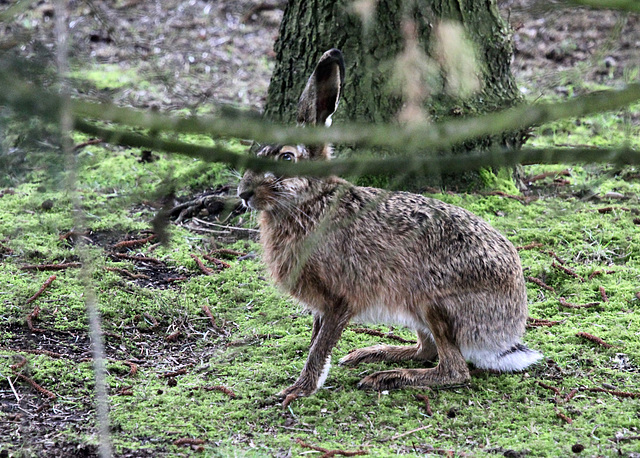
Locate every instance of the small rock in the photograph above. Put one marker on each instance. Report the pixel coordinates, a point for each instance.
(47, 204)
(610, 62)
(613, 195)
(577, 448)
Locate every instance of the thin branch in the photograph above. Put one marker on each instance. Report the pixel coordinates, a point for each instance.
(25, 97)
(421, 165)
(624, 5)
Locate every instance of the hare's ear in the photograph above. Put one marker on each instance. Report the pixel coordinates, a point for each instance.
(320, 97)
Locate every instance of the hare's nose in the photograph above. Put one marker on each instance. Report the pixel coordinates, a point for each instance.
(245, 196)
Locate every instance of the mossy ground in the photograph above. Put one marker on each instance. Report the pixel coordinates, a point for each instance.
(260, 339)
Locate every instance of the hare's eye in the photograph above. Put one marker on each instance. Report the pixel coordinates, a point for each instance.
(286, 157)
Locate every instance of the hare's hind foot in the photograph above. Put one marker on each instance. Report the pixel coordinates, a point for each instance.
(414, 378)
(425, 350)
(390, 353)
(452, 369)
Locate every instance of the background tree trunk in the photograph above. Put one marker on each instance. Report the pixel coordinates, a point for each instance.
(310, 27)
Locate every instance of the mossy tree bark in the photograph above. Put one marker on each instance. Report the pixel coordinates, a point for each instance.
(310, 27)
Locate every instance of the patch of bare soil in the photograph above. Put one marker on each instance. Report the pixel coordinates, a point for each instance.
(556, 47)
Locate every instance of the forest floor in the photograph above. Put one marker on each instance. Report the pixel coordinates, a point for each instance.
(195, 355)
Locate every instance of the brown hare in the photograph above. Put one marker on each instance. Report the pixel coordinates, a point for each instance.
(362, 254)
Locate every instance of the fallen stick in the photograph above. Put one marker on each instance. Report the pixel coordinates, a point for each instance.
(529, 246)
(564, 417)
(622, 394)
(126, 273)
(222, 389)
(207, 311)
(537, 322)
(569, 305)
(37, 387)
(594, 339)
(540, 283)
(134, 243)
(329, 453)
(32, 316)
(603, 293)
(217, 262)
(188, 441)
(388, 335)
(39, 267)
(425, 399)
(567, 271)
(138, 258)
(205, 270)
(173, 373)
(549, 387)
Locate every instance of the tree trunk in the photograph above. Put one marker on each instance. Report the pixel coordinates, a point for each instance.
(310, 27)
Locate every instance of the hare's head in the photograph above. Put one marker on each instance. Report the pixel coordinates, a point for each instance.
(319, 100)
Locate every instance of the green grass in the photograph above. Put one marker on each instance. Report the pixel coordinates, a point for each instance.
(264, 335)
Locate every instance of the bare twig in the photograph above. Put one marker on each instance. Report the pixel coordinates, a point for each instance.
(567, 271)
(329, 453)
(173, 336)
(37, 387)
(207, 311)
(64, 265)
(138, 258)
(219, 263)
(603, 293)
(134, 243)
(569, 305)
(173, 373)
(204, 269)
(126, 273)
(529, 246)
(222, 389)
(188, 441)
(388, 335)
(563, 416)
(537, 322)
(425, 399)
(540, 283)
(549, 387)
(594, 339)
(622, 394)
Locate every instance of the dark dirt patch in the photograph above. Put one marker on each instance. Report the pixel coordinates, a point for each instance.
(557, 47)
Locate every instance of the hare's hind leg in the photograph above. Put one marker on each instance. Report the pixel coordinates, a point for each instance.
(425, 350)
(452, 368)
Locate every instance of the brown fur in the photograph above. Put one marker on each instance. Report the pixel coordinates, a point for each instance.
(357, 253)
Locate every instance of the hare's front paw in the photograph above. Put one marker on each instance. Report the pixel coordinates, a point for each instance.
(294, 392)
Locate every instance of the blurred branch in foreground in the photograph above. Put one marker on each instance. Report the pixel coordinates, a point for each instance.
(418, 164)
(624, 5)
(31, 100)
